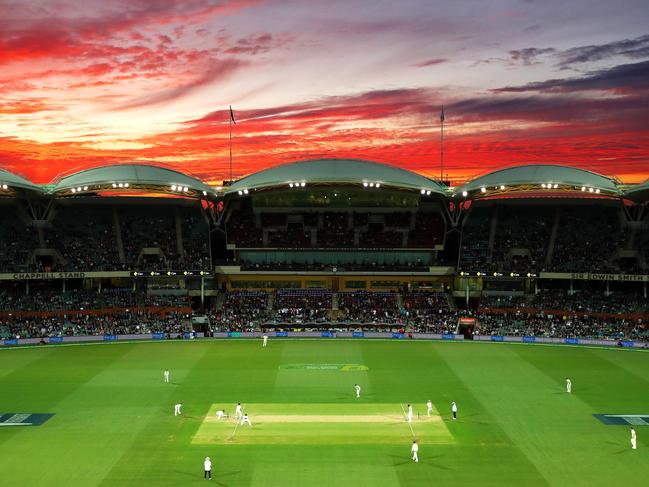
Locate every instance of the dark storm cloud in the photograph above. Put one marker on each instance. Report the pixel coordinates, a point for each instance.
(622, 78)
(637, 48)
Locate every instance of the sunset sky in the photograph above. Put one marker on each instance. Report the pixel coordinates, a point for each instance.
(85, 83)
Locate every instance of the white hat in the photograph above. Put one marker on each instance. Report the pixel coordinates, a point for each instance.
(207, 458)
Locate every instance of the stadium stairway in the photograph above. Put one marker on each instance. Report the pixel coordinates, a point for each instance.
(553, 237)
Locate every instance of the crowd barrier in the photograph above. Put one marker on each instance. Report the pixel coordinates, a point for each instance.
(563, 341)
(329, 334)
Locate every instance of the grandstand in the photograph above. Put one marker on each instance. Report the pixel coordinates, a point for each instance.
(328, 244)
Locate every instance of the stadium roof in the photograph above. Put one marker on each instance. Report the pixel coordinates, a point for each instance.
(538, 178)
(10, 182)
(132, 177)
(336, 171)
(639, 192)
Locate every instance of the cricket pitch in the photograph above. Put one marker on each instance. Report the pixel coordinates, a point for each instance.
(316, 424)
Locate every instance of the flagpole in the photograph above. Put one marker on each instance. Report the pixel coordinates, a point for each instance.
(441, 150)
(230, 119)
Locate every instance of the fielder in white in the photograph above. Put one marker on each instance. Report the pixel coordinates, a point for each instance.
(238, 412)
(245, 419)
(454, 410)
(409, 414)
(568, 385)
(165, 375)
(415, 450)
(220, 414)
(177, 409)
(634, 444)
(429, 407)
(265, 337)
(358, 390)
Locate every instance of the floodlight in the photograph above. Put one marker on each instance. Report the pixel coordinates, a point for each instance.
(423, 191)
(240, 192)
(502, 187)
(303, 184)
(483, 190)
(465, 194)
(378, 185)
(365, 184)
(245, 191)
(173, 187)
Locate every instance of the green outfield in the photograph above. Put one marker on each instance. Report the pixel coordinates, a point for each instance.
(112, 417)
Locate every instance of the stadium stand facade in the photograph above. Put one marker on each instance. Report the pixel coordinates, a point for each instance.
(539, 250)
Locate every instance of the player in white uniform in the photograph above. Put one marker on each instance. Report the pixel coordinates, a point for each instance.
(165, 374)
(454, 410)
(245, 419)
(409, 414)
(634, 444)
(265, 337)
(568, 385)
(220, 414)
(429, 407)
(358, 390)
(207, 465)
(177, 409)
(415, 450)
(238, 412)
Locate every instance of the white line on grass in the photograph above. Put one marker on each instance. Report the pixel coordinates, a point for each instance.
(409, 423)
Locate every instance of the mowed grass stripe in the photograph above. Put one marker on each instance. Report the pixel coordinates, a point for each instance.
(554, 429)
(43, 385)
(231, 371)
(604, 386)
(413, 372)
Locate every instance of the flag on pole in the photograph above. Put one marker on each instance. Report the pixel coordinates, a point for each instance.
(441, 115)
(232, 116)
